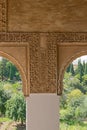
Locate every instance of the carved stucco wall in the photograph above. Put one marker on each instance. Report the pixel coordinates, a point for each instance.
(41, 57)
(3, 15)
(40, 62)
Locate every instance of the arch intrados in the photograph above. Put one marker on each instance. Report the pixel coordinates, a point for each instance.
(70, 60)
(18, 66)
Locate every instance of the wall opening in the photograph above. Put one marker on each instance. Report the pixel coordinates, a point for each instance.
(12, 101)
(73, 106)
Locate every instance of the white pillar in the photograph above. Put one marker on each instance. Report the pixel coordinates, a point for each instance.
(27, 113)
(42, 112)
(58, 112)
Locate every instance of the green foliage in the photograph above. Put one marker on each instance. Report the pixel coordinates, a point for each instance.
(74, 94)
(75, 126)
(70, 69)
(4, 96)
(16, 108)
(12, 103)
(4, 119)
(8, 71)
(80, 70)
(84, 79)
(85, 68)
(82, 109)
(73, 101)
(67, 115)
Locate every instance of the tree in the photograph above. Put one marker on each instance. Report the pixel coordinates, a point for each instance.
(81, 111)
(8, 71)
(3, 69)
(73, 103)
(80, 70)
(13, 72)
(68, 69)
(85, 70)
(84, 66)
(4, 96)
(72, 69)
(74, 98)
(16, 108)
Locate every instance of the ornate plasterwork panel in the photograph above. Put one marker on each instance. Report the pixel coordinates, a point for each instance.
(3, 15)
(42, 57)
(43, 65)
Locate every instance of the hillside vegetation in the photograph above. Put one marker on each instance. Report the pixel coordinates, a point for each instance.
(73, 106)
(12, 102)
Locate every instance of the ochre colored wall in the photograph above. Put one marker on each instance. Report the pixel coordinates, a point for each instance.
(47, 15)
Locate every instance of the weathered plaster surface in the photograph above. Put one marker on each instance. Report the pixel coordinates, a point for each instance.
(47, 15)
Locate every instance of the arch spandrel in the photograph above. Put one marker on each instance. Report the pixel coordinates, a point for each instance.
(17, 54)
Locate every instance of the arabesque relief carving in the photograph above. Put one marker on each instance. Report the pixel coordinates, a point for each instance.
(3, 15)
(45, 60)
(40, 57)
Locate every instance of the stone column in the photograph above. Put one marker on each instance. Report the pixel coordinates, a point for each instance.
(42, 112)
(27, 113)
(58, 112)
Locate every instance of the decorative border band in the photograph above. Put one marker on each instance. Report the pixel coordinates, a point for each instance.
(3, 15)
(17, 36)
(60, 37)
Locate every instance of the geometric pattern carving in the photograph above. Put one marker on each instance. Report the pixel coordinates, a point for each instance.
(43, 66)
(69, 37)
(44, 71)
(60, 38)
(34, 65)
(52, 64)
(3, 15)
(42, 62)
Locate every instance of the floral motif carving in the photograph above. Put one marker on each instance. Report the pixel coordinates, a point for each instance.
(3, 15)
